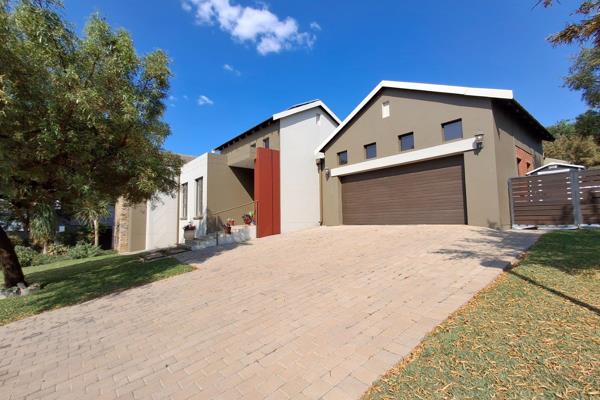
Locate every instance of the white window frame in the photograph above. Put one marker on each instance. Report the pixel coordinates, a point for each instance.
(199, 194)
(385, 109)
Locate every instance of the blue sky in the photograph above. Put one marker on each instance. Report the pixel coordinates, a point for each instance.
(286, 52)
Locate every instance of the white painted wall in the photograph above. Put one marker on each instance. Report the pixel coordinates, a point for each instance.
(299, 137)
(197, 168)
(161, 222)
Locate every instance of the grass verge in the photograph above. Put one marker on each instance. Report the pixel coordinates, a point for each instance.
(74, 281)
(534, 333)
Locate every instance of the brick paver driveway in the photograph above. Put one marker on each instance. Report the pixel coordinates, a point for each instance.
(314, 314)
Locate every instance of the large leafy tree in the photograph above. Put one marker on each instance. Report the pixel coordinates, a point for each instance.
(79, 117)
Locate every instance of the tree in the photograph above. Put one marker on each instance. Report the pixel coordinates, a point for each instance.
(576, 149)
(79, 117)
(562, 128)
(43, 226)
(584, 74)
(588, 124)
(90, 211)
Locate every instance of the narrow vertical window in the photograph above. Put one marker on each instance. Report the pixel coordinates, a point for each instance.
(342, 157)
(407, 141)
(385, 109)
(370, 151)
(199, 188)
(266, 143)
(184, 201)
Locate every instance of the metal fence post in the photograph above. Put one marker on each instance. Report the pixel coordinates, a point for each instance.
(511, 204)
(576, 197)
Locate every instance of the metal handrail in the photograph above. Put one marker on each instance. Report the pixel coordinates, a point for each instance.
(233, 208)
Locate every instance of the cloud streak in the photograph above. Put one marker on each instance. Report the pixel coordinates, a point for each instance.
(205, 101)
(230, 68)
(259, 26)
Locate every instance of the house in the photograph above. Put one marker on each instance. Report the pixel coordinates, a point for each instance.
(268, 170)
(413, 153)
(555, 168)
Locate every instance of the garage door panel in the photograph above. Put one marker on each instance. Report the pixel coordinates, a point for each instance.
(431, 192)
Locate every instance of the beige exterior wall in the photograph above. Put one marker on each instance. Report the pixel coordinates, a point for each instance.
(229, 188)
(423, 113)
(130, 227)
(243, 145)
(510, 133)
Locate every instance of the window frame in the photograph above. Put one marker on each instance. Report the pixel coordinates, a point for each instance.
(339, 159)
(266, 143)
(462, 132)
(184, 200)
(367, 151)
(400, 141)
(199, 206)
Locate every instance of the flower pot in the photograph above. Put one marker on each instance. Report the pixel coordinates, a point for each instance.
(228, 229)
(189, 234)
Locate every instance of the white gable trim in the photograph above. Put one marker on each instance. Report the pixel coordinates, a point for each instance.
(442, 150)
(557, 164)
(426, 87)
(305, 107)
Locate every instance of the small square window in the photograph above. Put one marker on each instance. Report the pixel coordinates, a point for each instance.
(452, 130)
(385, 109)
(370, 151)
(407, 141)
(266, 143)
(342, 158)
(318, 119)
(253, 145)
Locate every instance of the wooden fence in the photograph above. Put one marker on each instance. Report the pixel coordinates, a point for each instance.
(571, 198)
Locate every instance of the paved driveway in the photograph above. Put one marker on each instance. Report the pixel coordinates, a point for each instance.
(315, 314)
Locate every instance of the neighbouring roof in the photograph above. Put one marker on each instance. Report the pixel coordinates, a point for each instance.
(556, 166)
(295, 109)
(504, 96)
(186, 158)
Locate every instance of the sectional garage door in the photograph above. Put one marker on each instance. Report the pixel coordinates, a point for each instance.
(430, 192)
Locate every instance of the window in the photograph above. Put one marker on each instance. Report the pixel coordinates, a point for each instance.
(407, 141)
(199, 188)
(385, 109)
(266, 143)
(184, 200)
(370, 151)
(253, 146)
(343, 158)
(318, 121)
(452, 130)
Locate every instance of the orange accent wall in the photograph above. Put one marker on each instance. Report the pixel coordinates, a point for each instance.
(266, 192)
(524, 161)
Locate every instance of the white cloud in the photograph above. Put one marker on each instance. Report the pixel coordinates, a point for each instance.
(230, 68)
(172, 98)
(259, 26)
(185, 97)
(315, 26)
(205, 101)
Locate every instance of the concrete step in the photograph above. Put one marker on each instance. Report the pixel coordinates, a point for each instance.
(239, 234)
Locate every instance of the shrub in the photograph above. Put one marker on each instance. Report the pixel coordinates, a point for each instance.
(84, 250)
(57, 249)
(41, 259)
(26, 255)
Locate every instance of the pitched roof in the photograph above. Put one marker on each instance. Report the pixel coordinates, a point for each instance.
(295, 109)
(500, 94)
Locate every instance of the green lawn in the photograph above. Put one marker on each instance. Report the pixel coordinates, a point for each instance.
(534, 333)
(75, 281)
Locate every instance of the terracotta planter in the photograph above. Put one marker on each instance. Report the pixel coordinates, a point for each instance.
(189, 235)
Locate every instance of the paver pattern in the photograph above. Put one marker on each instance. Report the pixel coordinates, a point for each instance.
(314, 314)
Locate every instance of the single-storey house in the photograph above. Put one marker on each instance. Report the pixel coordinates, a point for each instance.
(413, 153)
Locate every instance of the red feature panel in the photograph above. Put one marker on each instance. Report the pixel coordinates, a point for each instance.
(266, 192)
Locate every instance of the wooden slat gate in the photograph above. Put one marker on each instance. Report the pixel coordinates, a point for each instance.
(556, 199)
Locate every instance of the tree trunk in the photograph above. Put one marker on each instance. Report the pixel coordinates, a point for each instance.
(45, 248)
(13, 273)
(96, 233)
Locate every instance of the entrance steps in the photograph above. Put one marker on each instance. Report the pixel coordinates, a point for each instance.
(239, 234)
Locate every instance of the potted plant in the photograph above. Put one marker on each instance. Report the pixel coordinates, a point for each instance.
(247, 218)
(188, 231)
(228, 225)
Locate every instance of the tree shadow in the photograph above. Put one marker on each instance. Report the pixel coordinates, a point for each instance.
(484, 248)
(78, 283)
(201, 256)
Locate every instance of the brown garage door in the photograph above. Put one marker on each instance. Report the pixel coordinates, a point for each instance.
(431, 192)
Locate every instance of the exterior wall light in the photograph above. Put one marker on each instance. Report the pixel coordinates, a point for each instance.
(327, 173)
(479, 141)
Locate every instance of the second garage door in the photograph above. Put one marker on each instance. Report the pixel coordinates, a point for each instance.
(431, 192)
